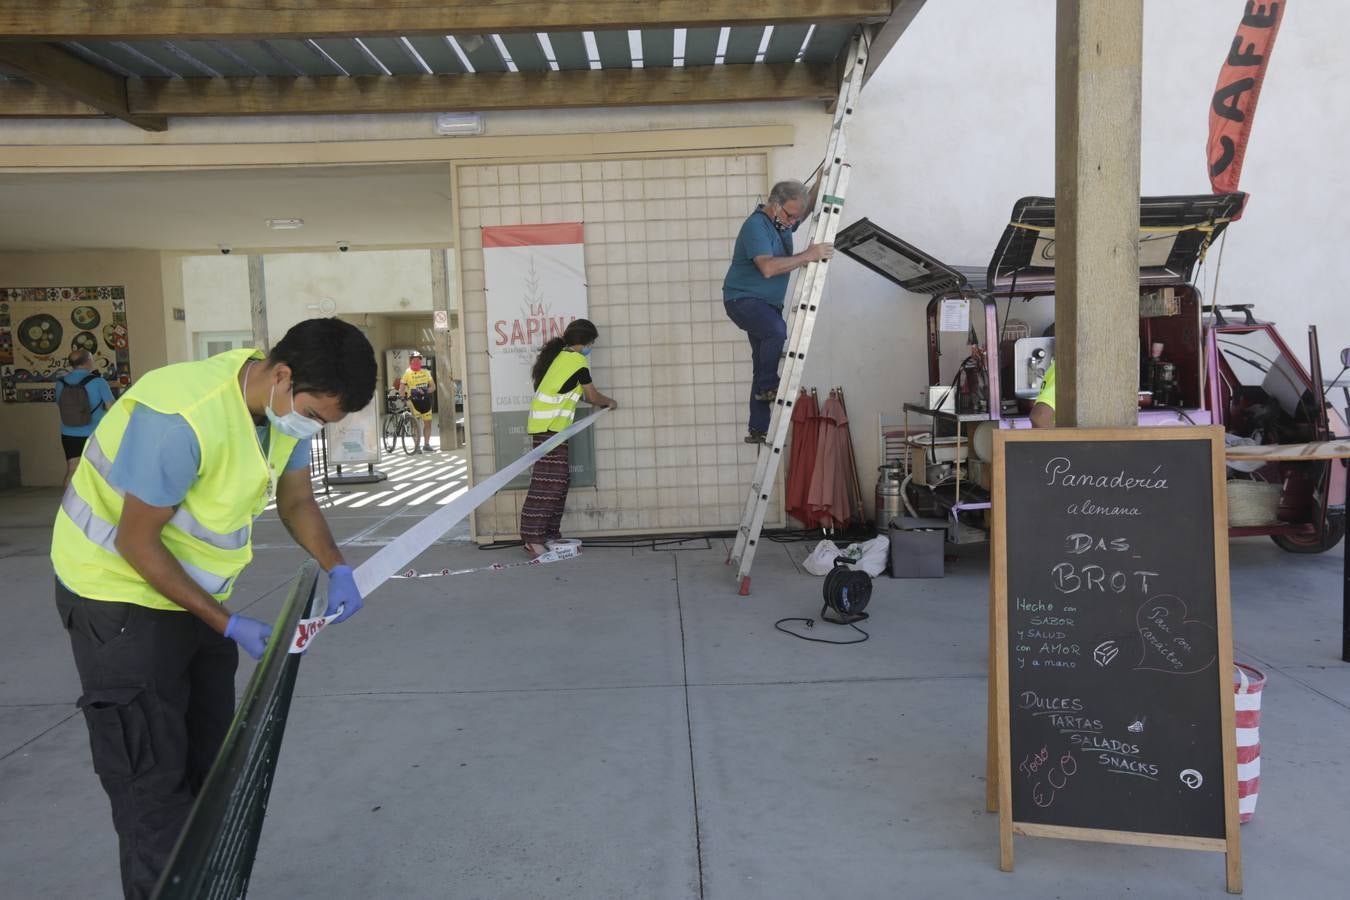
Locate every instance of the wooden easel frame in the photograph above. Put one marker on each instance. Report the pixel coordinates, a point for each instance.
(998, 787)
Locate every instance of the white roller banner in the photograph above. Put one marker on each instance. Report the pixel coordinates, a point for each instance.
(536, 283)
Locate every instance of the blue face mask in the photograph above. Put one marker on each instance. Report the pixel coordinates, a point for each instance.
(293, 424)
(586, 351)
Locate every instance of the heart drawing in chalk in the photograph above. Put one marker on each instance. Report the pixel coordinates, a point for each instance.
(1173, 643)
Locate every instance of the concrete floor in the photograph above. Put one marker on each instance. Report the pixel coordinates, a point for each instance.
(623, 725)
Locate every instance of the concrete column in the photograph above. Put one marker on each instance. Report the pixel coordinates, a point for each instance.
(445, 367)
(257, 301)
(1098, 62)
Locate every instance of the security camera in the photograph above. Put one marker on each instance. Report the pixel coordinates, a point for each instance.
(224, 250)
(343, 246)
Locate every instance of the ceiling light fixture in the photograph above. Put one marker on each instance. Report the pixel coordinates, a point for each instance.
(459, 123)
(284, 224)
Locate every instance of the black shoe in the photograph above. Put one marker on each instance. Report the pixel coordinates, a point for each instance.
(756, 437)
(766, 396)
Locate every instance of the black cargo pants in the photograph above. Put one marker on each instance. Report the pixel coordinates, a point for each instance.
(158, 699)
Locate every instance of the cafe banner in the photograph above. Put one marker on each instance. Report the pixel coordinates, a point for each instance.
(39, 327)
(535, 276)
(1233, 107)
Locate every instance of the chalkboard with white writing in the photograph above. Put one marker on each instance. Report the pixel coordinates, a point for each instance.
(1115, 643)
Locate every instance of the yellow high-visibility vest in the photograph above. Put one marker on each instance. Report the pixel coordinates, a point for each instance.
(551, 409)
(211, 532)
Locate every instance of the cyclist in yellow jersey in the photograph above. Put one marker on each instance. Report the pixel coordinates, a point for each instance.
(417, 386)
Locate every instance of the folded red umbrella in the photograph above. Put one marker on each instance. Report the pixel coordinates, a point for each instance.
(801, 458)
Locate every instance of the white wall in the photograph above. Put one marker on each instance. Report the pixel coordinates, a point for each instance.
(215, 288)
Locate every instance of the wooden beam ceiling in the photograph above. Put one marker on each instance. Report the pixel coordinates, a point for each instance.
(22, 99)
(484, 91)
(68, 75)
(59, 20)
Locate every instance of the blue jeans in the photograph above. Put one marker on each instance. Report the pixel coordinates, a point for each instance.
(767, 332)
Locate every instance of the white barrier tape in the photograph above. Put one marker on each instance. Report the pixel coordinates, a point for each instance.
(1246, 737)
(1247, 702)
(307, 629)
(1248, 771)
(556, 555)
(395, 556)
(387, 561)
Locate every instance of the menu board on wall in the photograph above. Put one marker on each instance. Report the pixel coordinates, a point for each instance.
(1112, 642)
(39, 327)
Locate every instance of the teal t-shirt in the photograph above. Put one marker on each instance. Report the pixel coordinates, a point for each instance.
(758, 236)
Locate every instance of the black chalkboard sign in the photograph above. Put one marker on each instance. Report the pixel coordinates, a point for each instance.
(1113, 649)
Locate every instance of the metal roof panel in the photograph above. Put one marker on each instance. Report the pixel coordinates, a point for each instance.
(827, 43)
(255, 57)
(658, 47)
(111, 51)
(526, 52)
(743, 44)
(484, 57)
(700, 46)
(208, 53)
(569, 49)
(394, 56)
(438, 55)
(348, 55)
(613, 48)
(785, 42)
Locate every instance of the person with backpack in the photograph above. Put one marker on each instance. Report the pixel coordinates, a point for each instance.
(82, 397)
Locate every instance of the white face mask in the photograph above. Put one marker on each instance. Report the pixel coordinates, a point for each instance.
(293, 423)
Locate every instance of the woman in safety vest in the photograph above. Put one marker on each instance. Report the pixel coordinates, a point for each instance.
(561, 378)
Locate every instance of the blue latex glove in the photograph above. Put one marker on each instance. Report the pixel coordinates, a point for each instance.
(250, 634)
(342, 592)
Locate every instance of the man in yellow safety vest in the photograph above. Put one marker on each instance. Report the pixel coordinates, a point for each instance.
(152, 533)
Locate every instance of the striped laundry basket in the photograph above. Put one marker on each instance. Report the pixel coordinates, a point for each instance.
(1247, 684)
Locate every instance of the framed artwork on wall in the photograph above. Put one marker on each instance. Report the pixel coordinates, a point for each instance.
(39, 327)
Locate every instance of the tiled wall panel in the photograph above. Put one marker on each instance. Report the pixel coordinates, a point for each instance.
(658, 238)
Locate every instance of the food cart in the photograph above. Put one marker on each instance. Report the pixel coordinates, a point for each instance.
(989, 339)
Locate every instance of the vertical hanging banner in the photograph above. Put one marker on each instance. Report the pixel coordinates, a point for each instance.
(1233, 107)
(535, 278)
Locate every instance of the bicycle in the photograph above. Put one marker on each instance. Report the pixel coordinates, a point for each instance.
(399, 425)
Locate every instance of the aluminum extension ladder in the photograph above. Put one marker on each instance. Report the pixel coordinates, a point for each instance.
(806, 299)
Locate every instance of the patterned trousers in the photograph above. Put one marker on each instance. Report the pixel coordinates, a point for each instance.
(541, 514)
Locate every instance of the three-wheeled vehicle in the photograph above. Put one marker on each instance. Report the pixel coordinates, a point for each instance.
(990, 341)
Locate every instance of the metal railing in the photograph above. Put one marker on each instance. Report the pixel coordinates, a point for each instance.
(214, 855)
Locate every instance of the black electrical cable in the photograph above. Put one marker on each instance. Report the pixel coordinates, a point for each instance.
(778, 536)
(810, 623)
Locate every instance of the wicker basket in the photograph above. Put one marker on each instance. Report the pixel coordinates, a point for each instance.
(1253, 503)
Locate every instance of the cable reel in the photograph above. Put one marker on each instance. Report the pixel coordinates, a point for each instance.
(846, 594)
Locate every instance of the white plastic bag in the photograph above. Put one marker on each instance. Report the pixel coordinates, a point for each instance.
(873, 555)
(870, 557)
(821, 559)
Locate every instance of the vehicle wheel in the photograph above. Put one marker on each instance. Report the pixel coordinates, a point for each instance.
(408, 431)
(1312, 544)
(389, 433)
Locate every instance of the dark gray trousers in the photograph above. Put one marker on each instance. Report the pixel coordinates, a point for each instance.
(158, 699)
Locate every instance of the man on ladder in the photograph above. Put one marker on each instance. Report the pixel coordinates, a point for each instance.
(771, 405)
(756, 285)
